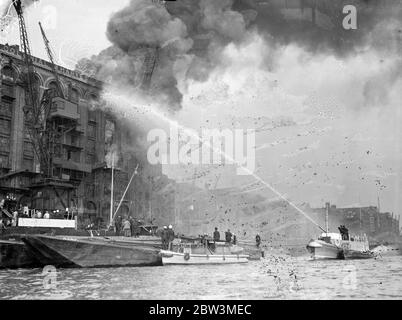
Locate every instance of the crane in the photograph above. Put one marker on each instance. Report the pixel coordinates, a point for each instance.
(35, 114)
(47, 121)
(53, 66)
(150, 61)
(57, 128)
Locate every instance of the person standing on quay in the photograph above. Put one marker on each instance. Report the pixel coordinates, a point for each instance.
(127, 228)
(170, 237)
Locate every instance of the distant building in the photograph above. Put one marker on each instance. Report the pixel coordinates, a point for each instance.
(360, 219)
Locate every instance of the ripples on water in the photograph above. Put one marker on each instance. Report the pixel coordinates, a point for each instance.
(275, 277)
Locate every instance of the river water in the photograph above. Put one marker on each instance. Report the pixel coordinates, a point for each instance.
(274, 277)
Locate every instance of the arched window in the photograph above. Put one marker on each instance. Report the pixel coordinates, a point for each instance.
(54, 87)
(93, 101)
(8, 73)
(74, 95)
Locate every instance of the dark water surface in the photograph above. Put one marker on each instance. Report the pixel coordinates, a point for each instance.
(275, 277)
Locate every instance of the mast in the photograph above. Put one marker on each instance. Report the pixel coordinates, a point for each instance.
(360, 215)
(111, 192)
(378, 212)
(326, 217)
(378, 203)
(125, 191)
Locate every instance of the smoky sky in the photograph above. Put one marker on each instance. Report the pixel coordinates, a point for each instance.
(317, 25)
(190, 34)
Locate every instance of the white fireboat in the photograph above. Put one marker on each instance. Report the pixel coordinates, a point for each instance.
(341, 245)
(332, 246)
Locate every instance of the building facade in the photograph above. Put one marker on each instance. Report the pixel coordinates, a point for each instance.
(81, 173)
(368, 220)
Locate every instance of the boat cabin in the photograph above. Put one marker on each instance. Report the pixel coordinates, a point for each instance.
(327, 237)
(206, 247)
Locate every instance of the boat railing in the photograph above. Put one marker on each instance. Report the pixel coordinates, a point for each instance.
(358, 238)
(184, 247)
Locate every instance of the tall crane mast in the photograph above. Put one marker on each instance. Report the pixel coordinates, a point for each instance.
(34, 110)
(53, 65)
(149, 64)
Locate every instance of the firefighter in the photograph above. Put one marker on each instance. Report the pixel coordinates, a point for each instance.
(170, 236)
(228, 236)
(258, 240)
(164, 237)
(217, 235)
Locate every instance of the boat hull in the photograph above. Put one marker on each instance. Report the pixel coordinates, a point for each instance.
(322, 250)
(176, 258)
(14, 254)
(91, 252)
(352, 254)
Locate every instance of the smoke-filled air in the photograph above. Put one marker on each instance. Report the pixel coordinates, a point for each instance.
(324, 101)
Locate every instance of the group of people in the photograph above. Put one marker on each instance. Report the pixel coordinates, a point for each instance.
(128, 225)
(167, 237)
(229, 236)
(344, 232)
(23, 211)
(38, 214)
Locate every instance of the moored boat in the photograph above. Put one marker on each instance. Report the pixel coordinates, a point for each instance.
(14, 254)
(86, 252)
(199, 253)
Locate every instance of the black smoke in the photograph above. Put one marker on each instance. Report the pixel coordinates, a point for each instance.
(189, 35)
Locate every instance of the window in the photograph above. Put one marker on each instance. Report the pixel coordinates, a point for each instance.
(28, 149)
(90, 158)
(72, 155)
(76, 156)
(91, 115)
(92, 131)
(5, 126)
(3, 161)
(4, 144)
(109, 132)
(8, 73)
(6, 107)
(7, 91)
(74, 95)
(91, 146)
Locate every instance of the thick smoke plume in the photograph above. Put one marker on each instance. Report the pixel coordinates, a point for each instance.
(187, 37)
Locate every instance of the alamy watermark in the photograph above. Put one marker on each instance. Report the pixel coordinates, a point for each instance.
(49, 274)
(210, 147)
